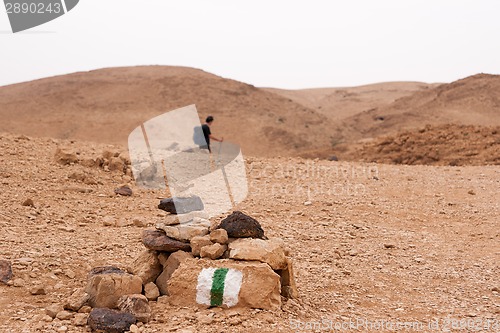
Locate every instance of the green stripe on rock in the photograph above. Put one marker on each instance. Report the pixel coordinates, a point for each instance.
(217, 291)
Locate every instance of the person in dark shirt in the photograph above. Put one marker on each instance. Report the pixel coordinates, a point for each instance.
(207, 133)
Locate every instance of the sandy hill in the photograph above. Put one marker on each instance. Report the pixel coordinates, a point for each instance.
(106, 105)
(341, 103)
(474, 100)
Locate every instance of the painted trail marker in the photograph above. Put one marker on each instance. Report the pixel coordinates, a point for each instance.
(165, 151)
(219, 286)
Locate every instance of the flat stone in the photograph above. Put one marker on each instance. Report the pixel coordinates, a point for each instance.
(64, 315)
(5, 271)
(240, 225)
(110, 321)
(181, 205)
(183, 232)
(158, 241)
(124, 191)
(105, 270)
(271, 251)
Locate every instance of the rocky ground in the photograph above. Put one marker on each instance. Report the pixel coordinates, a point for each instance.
(371, 243)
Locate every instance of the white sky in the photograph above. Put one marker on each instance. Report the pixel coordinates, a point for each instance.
(274, 43)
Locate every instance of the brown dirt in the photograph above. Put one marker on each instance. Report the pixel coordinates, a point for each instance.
(436, 145)
(374, 242)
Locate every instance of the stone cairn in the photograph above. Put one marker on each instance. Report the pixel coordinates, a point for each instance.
(191, 264)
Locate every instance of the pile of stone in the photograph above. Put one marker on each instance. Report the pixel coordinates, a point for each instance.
(108, 160)
(190, 264)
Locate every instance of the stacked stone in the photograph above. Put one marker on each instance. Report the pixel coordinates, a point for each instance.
(192, 263)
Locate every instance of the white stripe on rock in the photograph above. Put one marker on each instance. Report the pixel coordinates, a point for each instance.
(205, 280)
(232, 287)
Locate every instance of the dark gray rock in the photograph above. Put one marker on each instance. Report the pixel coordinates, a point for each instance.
(5, 271)
(177, 205)
(110, 321)
(158, 241)
(124, 190)
(240, 225)
(105, 270)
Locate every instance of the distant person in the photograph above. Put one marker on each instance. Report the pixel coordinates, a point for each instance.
(208, 134)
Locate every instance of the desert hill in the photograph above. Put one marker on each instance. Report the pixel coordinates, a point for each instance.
(341, 103)
(474, 100)
(106, 105)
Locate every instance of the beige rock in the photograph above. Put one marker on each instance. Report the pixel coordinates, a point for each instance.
(268, 251)
(124, 222)
(201, 221)
(80, 319)
(77, 300)
(260, 286)
(213, 251)
(109, 221)
(65, 156)
(219, 236)
(183, 232)
(140, 222)
(116, 164)
(151, 291)
(38, 290)
(105, 289)
(288, 285)
(137, 305)
(147, 266)
(64, 315)
(53, 309)
(198, 242)
(172, 263)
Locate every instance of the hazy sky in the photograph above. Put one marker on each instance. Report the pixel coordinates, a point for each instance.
(273, 43)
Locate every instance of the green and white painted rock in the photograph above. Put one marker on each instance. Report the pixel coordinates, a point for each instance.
(218, 286)
(225, 283)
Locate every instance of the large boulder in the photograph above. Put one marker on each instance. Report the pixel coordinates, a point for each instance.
(147, 266)
(158, 241)
(225, 283)
(240, 225)
(271, 252)
(181, 205)
(110, 321)
(173, 262)
(105, 289)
